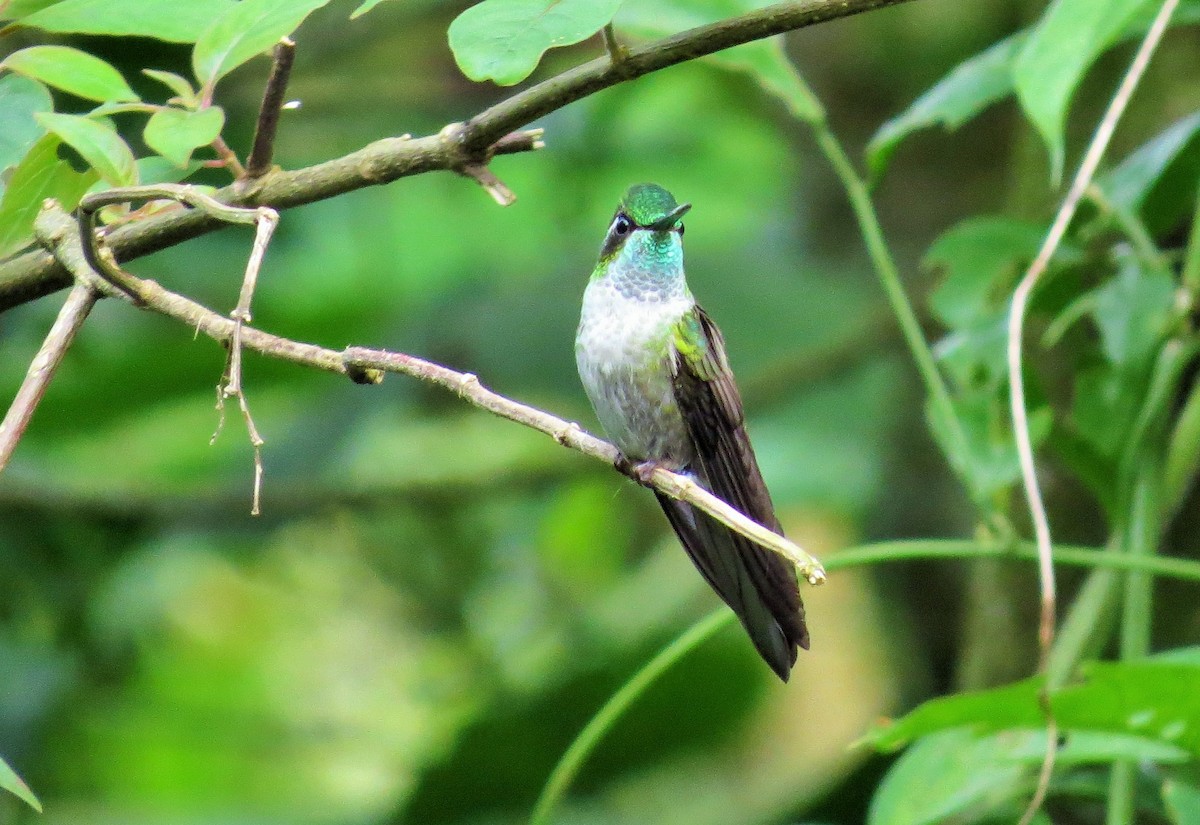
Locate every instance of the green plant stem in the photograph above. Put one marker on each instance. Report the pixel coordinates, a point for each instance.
(1191, 261)
(597, 728)
(1137, 610)
(1088, 622)
(889, 278)
(570, 763)
(1183, 454)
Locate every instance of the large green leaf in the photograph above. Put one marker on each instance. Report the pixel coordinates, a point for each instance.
(245, 31)
(176, 133)
(9, 781)
(966, 91)
(1153, 699)
(962, 775)
(40, 175)
(20, 99)
(944, 775)
(72, 71)
(168, 20)
(1059, 51)
(98, 143)
(504, 40)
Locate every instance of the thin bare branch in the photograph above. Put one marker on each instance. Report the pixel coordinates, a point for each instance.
(259, 162)
(101, 261)
(368, 365)
(75, 309)
(35, 274)
(1016, 321)
(228, 158)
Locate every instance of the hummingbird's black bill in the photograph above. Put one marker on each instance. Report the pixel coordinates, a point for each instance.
(667, 222)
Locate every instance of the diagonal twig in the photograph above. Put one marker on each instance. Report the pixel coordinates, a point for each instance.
(74, 312)
(101, 260)
(368, 366)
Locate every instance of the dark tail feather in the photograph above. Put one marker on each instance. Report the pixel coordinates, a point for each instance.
(758, 585)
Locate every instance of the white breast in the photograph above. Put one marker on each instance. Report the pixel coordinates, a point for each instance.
(623, 352)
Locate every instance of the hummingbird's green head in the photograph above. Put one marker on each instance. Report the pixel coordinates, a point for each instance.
(646, 209)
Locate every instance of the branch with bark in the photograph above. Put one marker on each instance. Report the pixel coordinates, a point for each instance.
(60, 233)
(465, 148)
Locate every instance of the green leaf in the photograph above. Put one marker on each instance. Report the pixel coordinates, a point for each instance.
(176, 133)
(365, 7)
(979, 260)
(1059, 51)
(1153, 698)
(20, 99)
(1133, 311)
(1158, 181)
(966, 91)
(990, 460)
(16, 9)
(168, 20)
(41, 174)
(245, 31)
(763, 60)
(960, 775)
(944, 775)
(1182, 800)
(180, 85)
(98, 143)
(503, 40)
(72, 71)
(14, 784)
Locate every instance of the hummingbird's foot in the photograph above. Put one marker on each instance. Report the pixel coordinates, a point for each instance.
(639, 471)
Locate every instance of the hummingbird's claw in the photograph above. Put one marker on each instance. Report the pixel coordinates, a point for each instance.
(639, 471)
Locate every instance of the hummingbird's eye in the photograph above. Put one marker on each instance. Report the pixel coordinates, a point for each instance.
(622, 225)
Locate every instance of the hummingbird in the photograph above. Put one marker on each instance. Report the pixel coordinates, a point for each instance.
(653, 365)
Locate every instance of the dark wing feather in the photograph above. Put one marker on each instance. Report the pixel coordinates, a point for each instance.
(760, 586)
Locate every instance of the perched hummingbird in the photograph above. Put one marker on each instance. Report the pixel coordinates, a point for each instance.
(654, 366)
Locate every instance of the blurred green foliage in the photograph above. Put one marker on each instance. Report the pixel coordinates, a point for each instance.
(436, 601)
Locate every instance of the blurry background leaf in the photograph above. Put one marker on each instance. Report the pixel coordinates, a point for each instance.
(20, 98)
(72, 71)
(962, 94)
(12, 783)
(1059, 50)
(38, 176)
(162, 19)
(1182, 799)
(364, 7)
(97, 142)
(245, 31)
(504, 40)
(945, 774)
(1158, 181)
(763, 60)
(979, 261)
(1147, 699)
